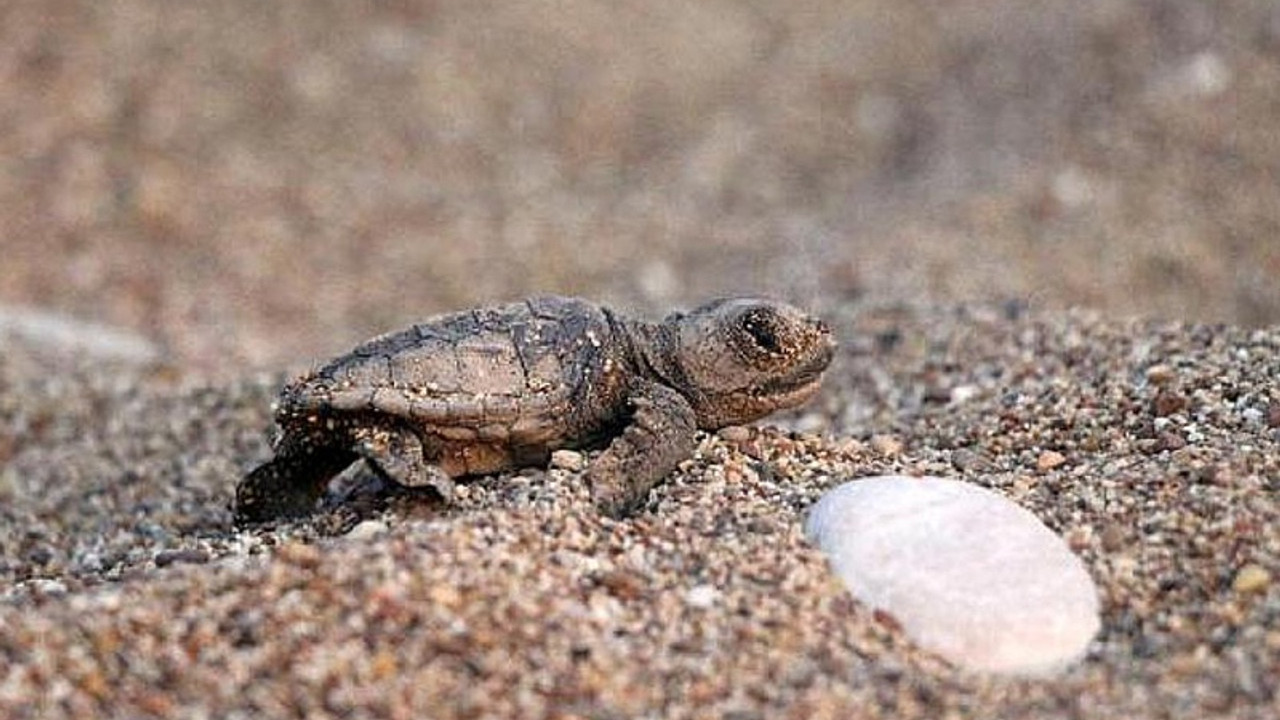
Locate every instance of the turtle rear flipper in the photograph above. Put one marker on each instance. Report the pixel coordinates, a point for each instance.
(397, 454)
(288, 486)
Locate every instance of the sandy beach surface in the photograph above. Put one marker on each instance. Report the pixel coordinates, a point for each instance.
(200, 200)
(127, 594)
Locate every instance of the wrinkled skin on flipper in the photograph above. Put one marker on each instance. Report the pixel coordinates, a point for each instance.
(491, 389)
(659, 436)
(289, 486)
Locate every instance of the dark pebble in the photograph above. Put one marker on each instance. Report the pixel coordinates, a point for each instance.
(1170, 441)
(1167, 403)
(164, 558)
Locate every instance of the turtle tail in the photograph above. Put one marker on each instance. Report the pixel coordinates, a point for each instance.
(288, 486)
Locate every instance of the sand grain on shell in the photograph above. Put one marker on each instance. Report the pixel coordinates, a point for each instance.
(123, 592)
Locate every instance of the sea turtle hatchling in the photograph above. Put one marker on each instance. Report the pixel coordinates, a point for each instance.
(479, 391)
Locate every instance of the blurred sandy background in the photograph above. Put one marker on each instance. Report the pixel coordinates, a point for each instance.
(253, 183)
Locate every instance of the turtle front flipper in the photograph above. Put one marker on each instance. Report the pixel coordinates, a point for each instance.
(659, 436)
(289, 485)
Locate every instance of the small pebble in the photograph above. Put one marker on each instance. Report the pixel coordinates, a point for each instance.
(1170, 441)
(46, 586)
(367, 530)
(969, 574)
(886, 445)
(571, 460)
(1250, 579)
(963, 460)
(734, 433)
(1160, 375)
(300, 554)
(1050, 459)
(195, 556)
(1167, 403)
(1113, 537)
(964, 393)
(701, 596)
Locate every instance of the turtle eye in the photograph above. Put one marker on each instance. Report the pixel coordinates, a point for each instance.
(760, 326)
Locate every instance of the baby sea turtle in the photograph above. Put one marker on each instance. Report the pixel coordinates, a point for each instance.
(490, 389)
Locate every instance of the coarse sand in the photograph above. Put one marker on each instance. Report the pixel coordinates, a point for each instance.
(1152, 448)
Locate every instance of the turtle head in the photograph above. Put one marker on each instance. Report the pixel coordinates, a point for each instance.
(739, 359)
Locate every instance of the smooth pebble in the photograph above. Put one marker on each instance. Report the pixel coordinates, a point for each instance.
(367, 530)
(702, 596)
(570, 460)
(70, 334)
(968, 574)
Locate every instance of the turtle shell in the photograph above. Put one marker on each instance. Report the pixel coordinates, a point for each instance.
(532, 373)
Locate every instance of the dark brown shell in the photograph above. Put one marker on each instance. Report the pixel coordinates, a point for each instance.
(527, 373)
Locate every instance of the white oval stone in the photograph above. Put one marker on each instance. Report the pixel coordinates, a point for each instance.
(968, 574)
